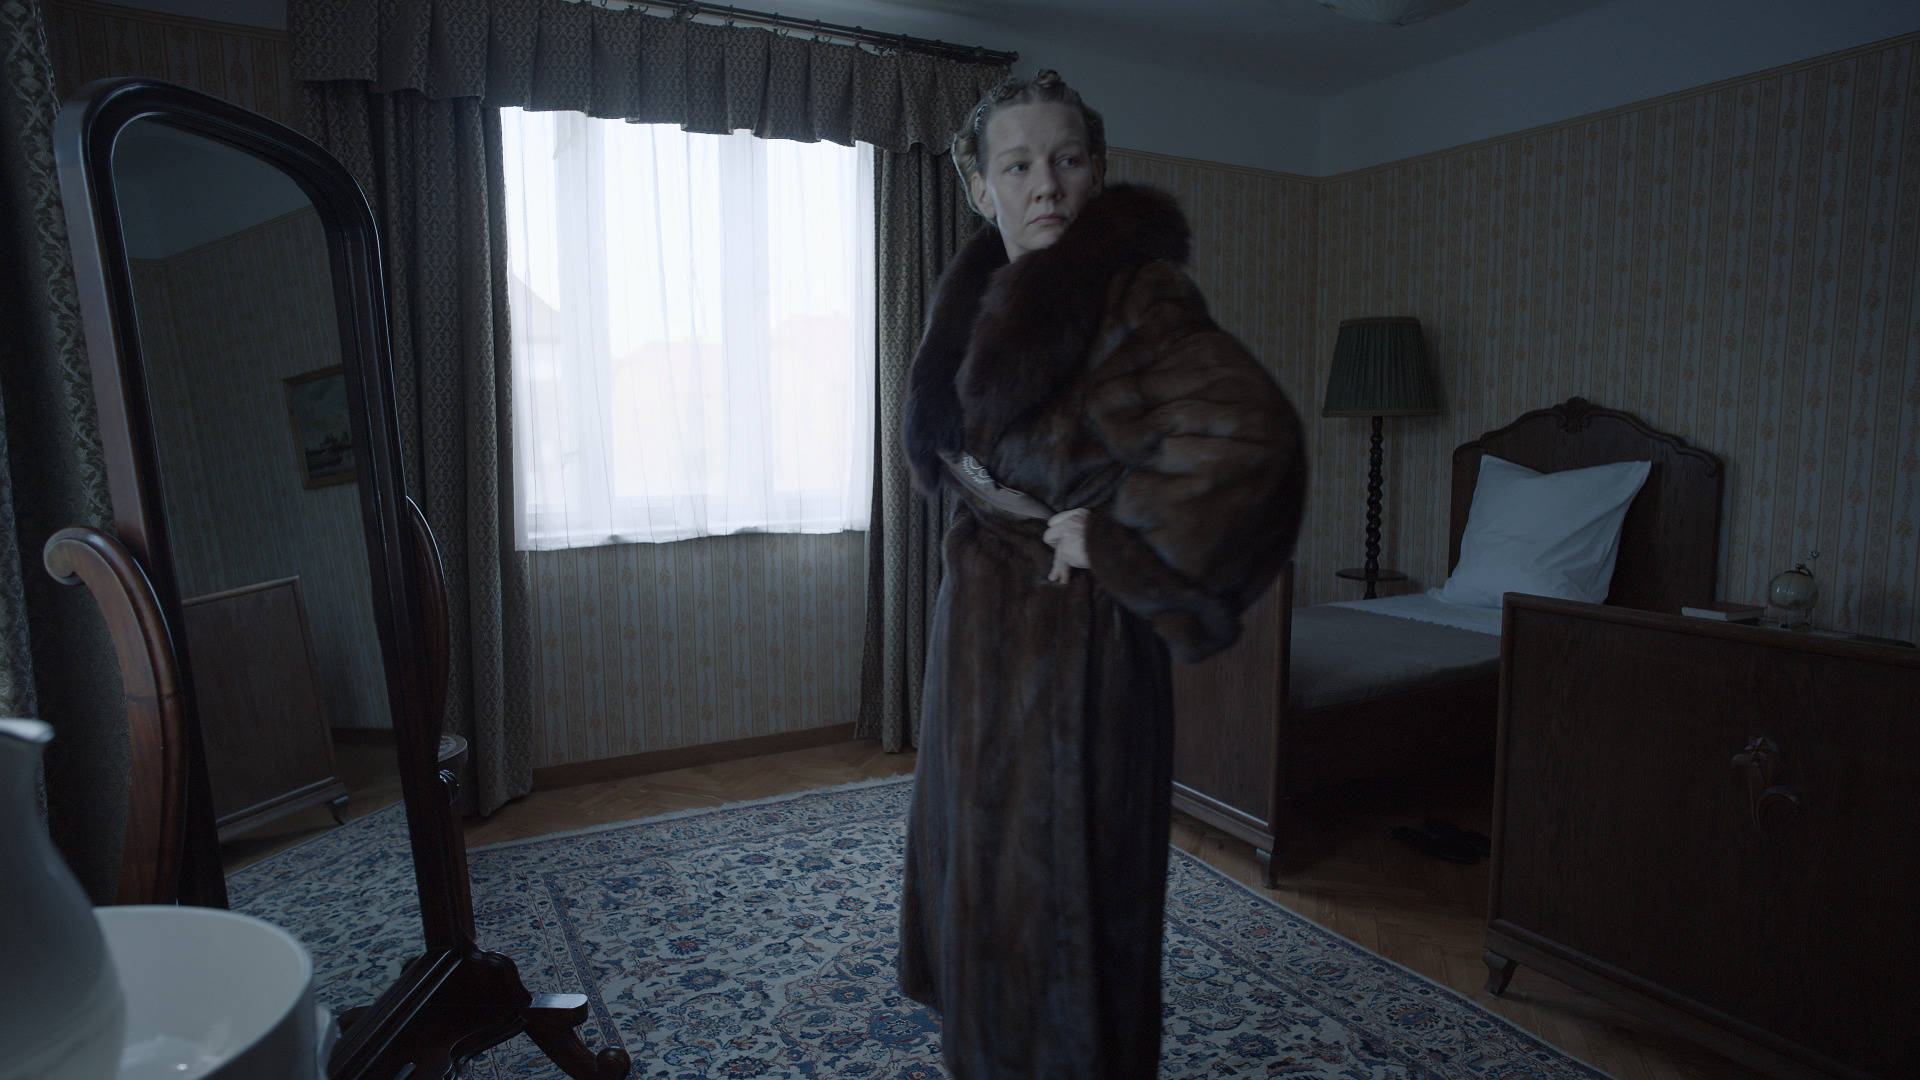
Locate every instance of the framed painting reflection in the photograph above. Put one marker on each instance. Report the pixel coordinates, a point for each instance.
(323, 437)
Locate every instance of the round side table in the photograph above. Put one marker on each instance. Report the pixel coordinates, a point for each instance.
(1359, 573)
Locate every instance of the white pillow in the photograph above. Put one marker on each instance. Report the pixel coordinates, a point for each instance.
(1550, 534)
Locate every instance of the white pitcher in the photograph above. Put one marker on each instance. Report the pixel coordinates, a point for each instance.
(62, 1015)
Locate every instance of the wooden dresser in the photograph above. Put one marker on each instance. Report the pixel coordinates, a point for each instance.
(1716, 827)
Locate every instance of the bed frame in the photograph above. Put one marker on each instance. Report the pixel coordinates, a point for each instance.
(1242, 757)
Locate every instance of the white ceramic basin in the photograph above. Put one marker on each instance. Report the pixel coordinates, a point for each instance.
(212, 995)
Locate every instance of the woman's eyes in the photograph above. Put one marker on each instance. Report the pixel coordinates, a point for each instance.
(1068, 162)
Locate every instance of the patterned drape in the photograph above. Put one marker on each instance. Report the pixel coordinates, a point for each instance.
(630, 65)
(921, 218)
(432, 171)
(56, 660)
(407, 95)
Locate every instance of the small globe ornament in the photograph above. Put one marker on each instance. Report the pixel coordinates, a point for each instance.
(1796, 591)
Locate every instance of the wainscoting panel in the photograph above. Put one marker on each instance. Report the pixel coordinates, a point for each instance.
(1736, 266)
(645, 647)
(247, 65)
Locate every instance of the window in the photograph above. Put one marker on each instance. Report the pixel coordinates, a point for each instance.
(693, 331)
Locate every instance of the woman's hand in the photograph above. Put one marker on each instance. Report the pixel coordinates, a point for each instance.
(1067, 535)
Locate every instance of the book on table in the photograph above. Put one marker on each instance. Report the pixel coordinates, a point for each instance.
(1725, 611)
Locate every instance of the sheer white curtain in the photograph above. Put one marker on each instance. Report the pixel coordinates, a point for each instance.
(693, 331)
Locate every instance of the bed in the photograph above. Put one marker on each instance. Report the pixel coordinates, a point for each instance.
(1316, 697)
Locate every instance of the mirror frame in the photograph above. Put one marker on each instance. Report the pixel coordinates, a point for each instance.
(88, 127)
(454, 1000)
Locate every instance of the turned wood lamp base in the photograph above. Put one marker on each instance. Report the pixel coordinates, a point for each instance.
(1371, 573)
(1379, 370)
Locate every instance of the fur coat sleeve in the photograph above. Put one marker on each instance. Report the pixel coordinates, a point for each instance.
(1207, 500)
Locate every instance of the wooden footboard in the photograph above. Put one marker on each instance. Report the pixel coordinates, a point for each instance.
(1242, 757)
(1229, 712)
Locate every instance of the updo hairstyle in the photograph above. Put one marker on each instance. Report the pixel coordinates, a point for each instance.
(969, 143)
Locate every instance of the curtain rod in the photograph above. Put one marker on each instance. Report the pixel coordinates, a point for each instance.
(692, 9)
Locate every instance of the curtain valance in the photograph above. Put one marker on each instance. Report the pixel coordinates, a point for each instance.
(560, 54)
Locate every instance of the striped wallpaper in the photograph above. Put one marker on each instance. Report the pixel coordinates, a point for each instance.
(222, 325)
(1734, 265)
(652, 646)
(1254, 252)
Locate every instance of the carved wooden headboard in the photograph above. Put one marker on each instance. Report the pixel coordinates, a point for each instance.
(1669, 543)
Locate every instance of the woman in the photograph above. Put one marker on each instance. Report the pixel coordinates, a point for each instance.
(1129, 480)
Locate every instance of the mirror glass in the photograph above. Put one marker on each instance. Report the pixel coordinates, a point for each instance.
(234, 300)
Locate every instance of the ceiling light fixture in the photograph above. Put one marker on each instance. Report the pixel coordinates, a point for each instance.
(1392, 12)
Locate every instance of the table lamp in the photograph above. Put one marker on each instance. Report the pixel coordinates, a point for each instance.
(1379, 369)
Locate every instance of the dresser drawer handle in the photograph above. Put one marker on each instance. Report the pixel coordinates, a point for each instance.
(1769, 802)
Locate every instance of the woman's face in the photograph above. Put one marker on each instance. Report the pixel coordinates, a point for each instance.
(1037, 175)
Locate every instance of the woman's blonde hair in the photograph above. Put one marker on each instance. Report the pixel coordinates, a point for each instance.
(969, 149)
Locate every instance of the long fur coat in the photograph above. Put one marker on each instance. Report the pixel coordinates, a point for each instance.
(1087, 374)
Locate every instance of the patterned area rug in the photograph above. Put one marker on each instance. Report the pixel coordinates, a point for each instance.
(757, 940)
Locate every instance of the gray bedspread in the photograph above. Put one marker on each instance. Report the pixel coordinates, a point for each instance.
(1341, 655)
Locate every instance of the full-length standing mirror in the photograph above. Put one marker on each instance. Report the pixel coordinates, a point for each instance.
(230, 279)
(246, 392)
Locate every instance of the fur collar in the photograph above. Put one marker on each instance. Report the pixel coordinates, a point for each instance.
(1004, 338)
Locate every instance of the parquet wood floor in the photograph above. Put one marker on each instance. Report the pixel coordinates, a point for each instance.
(1355, 879)
(685, 789)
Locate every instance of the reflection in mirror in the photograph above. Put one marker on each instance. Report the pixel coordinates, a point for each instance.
(233, 294)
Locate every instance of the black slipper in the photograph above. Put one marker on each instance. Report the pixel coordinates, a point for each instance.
(1454, 836)
(1429, 845)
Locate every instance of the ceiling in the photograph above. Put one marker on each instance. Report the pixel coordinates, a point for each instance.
(1296, 46)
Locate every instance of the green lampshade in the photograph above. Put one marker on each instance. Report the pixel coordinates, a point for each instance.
(1380, 369)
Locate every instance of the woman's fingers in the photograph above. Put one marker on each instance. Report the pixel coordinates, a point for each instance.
(1061, 571)
(1067, 535)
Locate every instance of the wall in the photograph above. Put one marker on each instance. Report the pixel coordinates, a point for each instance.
(1735, 266)
(236, 510)
(1254, 254)
(652, 646)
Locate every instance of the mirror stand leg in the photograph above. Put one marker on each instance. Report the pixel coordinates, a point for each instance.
(448, 1006)
(551, 1021)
